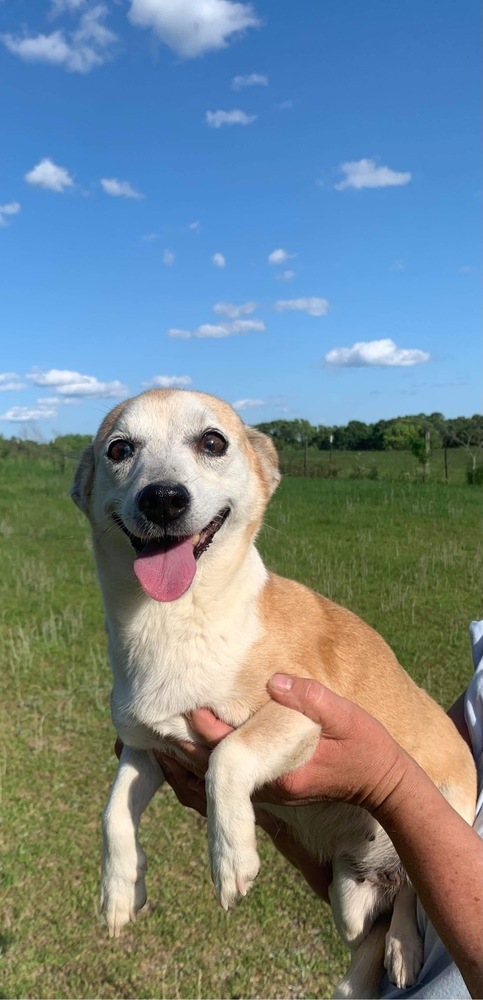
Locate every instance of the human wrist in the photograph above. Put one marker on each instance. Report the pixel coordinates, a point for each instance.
(388, 784)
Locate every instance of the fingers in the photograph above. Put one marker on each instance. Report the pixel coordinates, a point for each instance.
(189, 790)
(206, 725)
(314, 700)
(338, 717)
(196, 754)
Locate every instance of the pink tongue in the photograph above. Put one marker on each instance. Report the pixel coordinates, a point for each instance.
(165, 576)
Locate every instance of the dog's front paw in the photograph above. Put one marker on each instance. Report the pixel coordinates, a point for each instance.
(123, 893)
(404, 958)
(234, 868)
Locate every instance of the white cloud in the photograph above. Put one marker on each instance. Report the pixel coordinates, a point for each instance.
(48, 175)
(150, 237)
(168, 382)
(398, 266)
(366, 174)
(280, 256)
(226, 329)
(238, 326)
(23, 414)
(313, 306)
(246, 404)
(284, 105)
(251, 80)
(61, 6)
(192, 27)
(10, 381)
(219, 260)
(215, 119)
(90, 386)
(78, 51)
(218, 330)
(232, 311)
(179, 334)
(55, 376)
(376, 352)
(168, 258)
(11, 208)
(285, 275)
(119, 189)
(195, 226)
(211, 330)
(68, 383)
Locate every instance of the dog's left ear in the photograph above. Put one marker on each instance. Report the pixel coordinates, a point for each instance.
(267, 456)
(84, 479)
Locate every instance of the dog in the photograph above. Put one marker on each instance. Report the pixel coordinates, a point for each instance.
(175, 487)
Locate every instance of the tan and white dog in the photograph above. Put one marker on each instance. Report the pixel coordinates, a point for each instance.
(175, 487)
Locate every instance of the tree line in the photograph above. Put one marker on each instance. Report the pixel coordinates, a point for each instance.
(398, 433)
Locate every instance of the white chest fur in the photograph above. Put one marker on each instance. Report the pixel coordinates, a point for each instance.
(168, 659)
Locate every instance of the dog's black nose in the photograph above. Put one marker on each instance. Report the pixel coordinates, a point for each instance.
(163, 503)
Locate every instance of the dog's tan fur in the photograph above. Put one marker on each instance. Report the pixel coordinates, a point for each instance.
(217, 646)
(334, 646)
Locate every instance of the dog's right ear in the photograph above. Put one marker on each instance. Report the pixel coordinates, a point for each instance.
(267, 457)
(84, 479)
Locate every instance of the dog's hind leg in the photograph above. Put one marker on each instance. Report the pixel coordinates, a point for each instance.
(365, 972)
(357, 904)
(404, 947)
(123, 890)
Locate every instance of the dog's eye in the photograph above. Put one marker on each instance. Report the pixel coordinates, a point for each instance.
(119, 450)
(212, 443)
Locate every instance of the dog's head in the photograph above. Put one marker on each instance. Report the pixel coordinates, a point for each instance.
(173, 473)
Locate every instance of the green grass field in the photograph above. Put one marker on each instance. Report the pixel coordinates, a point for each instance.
(402, 555)
(399, 466)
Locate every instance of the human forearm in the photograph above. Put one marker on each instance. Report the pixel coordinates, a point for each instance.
(443, 857)
(441, 853)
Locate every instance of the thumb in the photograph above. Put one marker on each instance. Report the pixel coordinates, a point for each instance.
(311, 698)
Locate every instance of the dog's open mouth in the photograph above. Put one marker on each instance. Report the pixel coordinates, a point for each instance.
(166, 566)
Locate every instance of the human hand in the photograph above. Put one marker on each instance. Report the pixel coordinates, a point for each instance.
(356, 760)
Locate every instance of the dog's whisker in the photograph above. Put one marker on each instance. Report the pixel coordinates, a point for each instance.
(277, 531)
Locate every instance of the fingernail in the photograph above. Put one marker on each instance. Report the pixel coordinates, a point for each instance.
(281, 682)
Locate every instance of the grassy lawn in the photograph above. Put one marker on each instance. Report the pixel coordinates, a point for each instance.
(400, 554)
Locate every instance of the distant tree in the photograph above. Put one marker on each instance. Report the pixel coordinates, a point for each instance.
(421, 449)
(71, 445)
(322, 437)
(467, 433)
(289, 432)
(400, 433)
(357, 436)
(377, 432)
(437, 424)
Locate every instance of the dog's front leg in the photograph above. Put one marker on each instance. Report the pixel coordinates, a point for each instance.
(274, 741)
(123, 890)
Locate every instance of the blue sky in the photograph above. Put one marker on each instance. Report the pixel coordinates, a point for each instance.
(274, 202)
